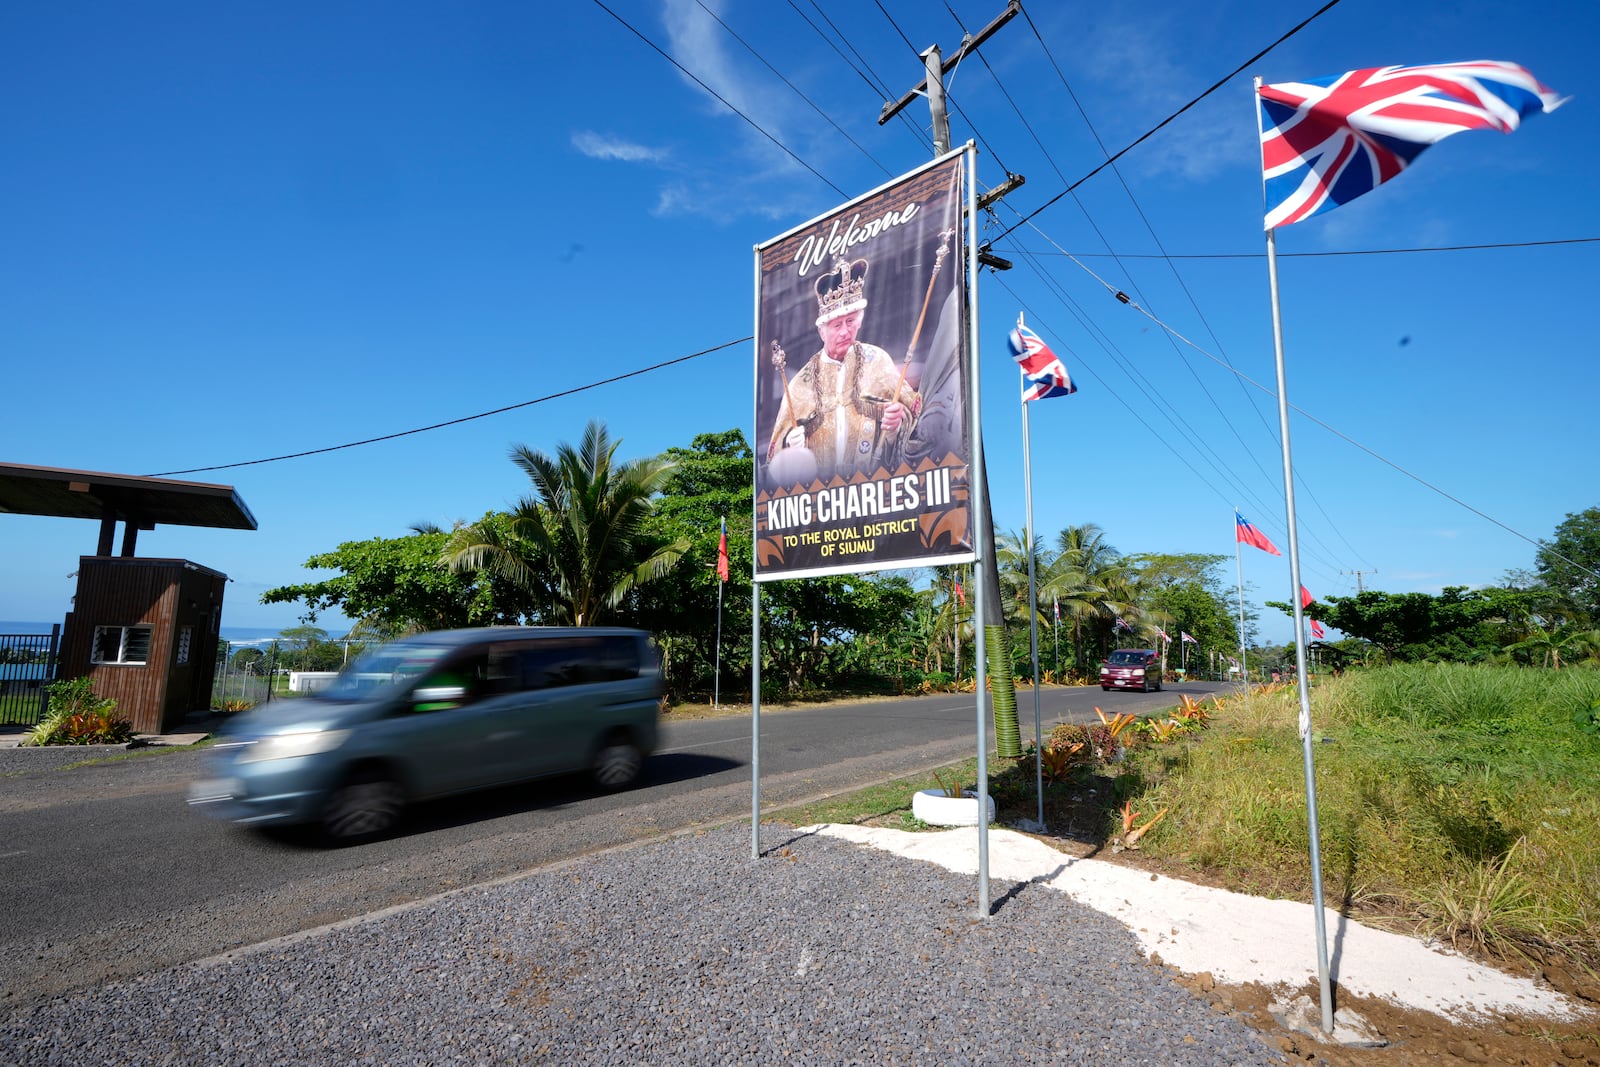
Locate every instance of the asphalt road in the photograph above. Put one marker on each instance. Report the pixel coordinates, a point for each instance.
(106, 873)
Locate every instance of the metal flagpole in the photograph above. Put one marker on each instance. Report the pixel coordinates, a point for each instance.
(1299, 626)
(716, 679)
(1300, 643)
(980, 516)
(956, 607)
(1238, 558)
(755, 720)
(1033, 603)
(1055, 629)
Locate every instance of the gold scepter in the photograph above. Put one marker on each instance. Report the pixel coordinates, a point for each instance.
(927, 298)
(791, 466)
(938, 262)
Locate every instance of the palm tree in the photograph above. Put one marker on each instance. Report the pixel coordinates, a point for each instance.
(576, 543)
(1089, 579)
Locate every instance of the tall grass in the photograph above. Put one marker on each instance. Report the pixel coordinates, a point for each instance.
(1461, 799)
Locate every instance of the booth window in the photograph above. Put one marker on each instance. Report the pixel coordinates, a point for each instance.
(183, 644)
(121, 644)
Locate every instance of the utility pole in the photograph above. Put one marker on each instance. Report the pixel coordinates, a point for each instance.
(932, 86)
(993, 609)
(1358, 574)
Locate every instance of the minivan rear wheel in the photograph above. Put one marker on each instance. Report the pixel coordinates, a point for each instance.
(617, 762)
(366, 804)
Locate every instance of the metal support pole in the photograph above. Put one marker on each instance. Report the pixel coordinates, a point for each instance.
(1306, 740)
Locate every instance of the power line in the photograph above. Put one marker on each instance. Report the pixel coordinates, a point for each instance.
(1178, 277)
(464, 418)
(826, 117)
(1348, 252)
(688, 74)
(1166, 121)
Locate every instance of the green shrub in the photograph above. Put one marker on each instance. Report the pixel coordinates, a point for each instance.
(75, 716)
(1100, 745)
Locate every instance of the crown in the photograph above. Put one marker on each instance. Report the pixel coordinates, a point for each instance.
(839, 292)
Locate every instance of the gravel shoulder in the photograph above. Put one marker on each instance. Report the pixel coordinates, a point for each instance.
(682, 951)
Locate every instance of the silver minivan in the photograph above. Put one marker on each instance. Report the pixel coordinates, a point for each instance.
(435, 714)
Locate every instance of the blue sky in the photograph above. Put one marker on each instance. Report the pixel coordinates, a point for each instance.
(238, 231)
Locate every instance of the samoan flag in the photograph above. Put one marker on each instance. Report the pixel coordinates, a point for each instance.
(1245, 533)
(1326, 141)
(1306, 600)
(1043, 374)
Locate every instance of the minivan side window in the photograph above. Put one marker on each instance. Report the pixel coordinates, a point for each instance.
(562, 661)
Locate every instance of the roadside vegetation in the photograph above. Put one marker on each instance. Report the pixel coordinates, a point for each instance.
(1455, 802)
(75, 716)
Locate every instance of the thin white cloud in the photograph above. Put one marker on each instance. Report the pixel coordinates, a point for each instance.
(696, 40)
(599, 146)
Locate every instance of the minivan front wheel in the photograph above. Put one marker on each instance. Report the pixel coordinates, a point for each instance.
(364, 805)
(617, 762)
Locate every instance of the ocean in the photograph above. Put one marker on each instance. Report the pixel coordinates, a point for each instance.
(234, 635)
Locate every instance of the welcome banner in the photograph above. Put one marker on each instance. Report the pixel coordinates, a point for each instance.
(862, 437)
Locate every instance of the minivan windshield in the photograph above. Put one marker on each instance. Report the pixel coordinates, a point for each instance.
(1128, 659)
(382, 672)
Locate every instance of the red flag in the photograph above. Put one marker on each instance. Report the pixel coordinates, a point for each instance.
(1305, 602)
(722, 553)
(1248, 534)
(961, 594)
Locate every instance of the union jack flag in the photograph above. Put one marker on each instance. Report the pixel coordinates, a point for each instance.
(1163, 634)
(1326, 141)
(1122, 624)
(1056, 603)
(1043, 375)
(1185, 637)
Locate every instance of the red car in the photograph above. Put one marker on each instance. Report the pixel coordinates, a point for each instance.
(1131, 668)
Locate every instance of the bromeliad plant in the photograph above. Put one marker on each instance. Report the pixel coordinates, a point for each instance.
(1115, 723)
(75, 716)
(1129, 838)
(1057, 760)
(1192, 713)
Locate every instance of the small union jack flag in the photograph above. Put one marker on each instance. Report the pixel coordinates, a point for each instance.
(1043, 375)
(1122, 624)
(1185, 637)
(1163, 634)
(1326, 141)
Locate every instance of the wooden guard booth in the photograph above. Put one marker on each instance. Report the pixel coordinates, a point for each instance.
(144, 631)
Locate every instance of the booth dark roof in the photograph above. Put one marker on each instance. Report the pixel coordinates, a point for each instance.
(71, 494)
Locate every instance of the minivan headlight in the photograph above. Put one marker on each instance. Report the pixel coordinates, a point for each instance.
(288, 746)
(1138, 672)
